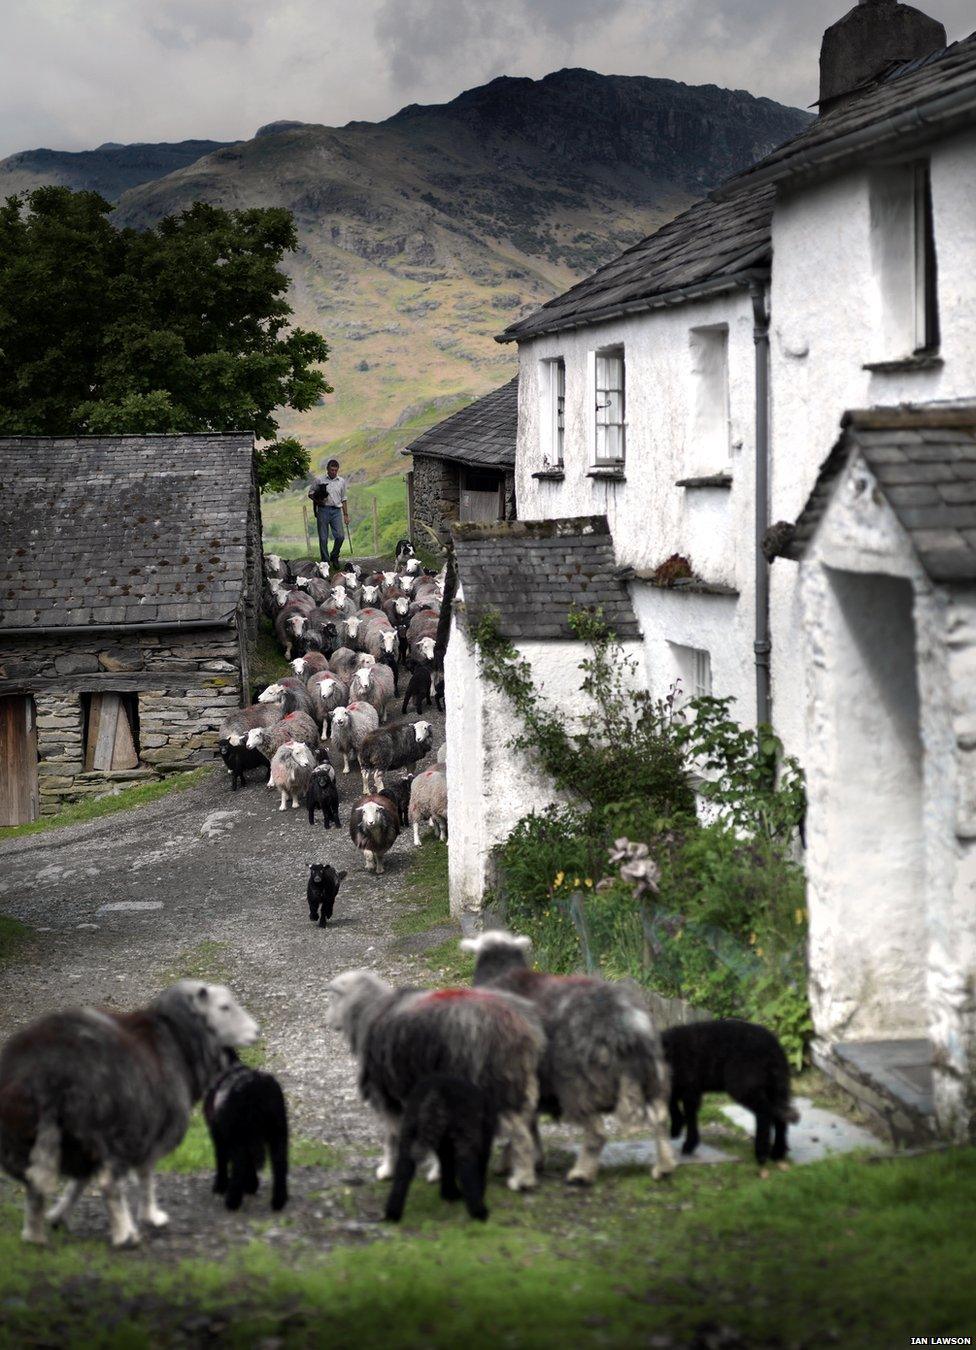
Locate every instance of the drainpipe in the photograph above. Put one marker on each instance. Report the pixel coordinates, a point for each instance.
(762, 645)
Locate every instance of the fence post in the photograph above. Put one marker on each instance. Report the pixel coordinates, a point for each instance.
(376, 528)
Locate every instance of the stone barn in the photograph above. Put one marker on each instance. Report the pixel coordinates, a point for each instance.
(887, 552)
(130, 582)
(464, 467)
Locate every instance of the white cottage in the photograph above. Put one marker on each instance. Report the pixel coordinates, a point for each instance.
(690, 392)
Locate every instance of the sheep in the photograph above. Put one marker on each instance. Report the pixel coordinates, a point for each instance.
(342, 602)
(392, 747)
(350, 727)
(418, 689)
(456, 1121)
(238, 759)
(422, 650)
(344, 662)
(401, 1036)
(321, 892)
(289, 625)
(327, 692)
(291, 769)
(310, 664)
(246, 1116)
(369, 594)
(295, 727)
(428, 803)
(422, 624)
(323, 794)
(90, 1092)
(375, 685)
(235, 727)
(275, 567)
(308, 568)
(292, 696)
(442, 753)
(396, 608)
(739, 1058)
(602, 1057)
(319, 590)
(375, 822)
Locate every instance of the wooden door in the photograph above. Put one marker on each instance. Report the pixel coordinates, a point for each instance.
(110, 743)
(482, 496)
(18, 760)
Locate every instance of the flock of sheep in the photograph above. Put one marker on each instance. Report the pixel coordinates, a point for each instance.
(348, 637)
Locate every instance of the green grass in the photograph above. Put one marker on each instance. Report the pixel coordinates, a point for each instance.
(195, 1153)
(15, 938)
(268, 662)
(849, 1252)
(123, 800)
(424, 905)
(284, 527)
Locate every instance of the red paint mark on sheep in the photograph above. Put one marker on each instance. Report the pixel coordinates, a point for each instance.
(453, 995)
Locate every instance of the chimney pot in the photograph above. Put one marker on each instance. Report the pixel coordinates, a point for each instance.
(871, 37)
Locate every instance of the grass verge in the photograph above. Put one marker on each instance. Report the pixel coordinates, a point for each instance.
(848, 1251)
(15, 938)
(124, 800)
(425, 908)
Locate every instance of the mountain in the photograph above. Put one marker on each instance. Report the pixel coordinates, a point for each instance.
(422, 236)
(110, 170)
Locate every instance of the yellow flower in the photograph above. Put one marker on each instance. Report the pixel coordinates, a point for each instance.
(588, 882)
(576, 881)
(752, 939)
(558, 879)
(800, 915)
(759, 951)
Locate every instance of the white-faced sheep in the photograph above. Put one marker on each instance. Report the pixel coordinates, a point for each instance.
(393, 747)
(290, 695)
(310, 664)
(327, 693)
(423, 624)
(602, 1057)
(317, 588)
(92, 1092)
(234, 728)
(374, 826)
(422, 650)
(289, 625)
(295, 727)
(291, 769)
(344, 662)
(350, 727)
(396, 608)
(428, 802)
(275, 567)
(401, 1036)
(374, 684)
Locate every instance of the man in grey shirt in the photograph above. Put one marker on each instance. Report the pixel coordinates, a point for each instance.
(331, 510)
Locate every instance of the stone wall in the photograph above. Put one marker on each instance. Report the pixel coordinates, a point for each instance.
(185, 684)
(436, 492)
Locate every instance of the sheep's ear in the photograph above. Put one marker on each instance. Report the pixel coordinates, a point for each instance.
(203, 993)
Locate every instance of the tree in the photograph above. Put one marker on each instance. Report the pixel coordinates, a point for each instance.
(180, 328)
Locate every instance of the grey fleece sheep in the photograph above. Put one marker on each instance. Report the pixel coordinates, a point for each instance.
(92, 1092)
(310, 664)
(401, 1036)
(602, 1055)
(327, 693)
(295, 727)
(344, 662)
(428, 802)
(350, 727)
(374, 684)
(291, 770)
(393, 747)
(235, 727)
(290, 694)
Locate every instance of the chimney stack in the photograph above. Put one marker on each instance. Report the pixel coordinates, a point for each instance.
(867, 40)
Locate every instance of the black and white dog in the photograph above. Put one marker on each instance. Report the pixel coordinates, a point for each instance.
(247, 1118)
(404, 550)
(454, 1119)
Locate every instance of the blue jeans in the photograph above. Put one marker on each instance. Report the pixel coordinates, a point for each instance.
(330, 518)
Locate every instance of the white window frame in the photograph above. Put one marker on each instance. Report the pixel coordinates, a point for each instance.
(710, 432)
(554, 412)
(609, 405)
(905, 259)
(693, 666)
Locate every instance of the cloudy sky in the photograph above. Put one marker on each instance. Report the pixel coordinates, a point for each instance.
(74, 73)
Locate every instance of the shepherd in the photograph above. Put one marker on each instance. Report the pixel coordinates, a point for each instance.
(331, 511)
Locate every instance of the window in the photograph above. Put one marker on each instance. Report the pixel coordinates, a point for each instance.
(693, 671)
(111, 731)
(610, 406)
(709, 430)
(904, 256)
(553, 412)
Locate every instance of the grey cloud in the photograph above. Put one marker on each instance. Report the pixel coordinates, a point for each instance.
(181, 24)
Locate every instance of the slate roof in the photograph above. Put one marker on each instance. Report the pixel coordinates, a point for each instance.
(911, 103)
(532, 573)
(924, 459)
(125, 530)
(483, 433)
(710, 248)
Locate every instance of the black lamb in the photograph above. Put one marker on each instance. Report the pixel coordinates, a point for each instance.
(247, 1118)
(418, 689)
(323, 794)
(736, 1057)
(454, 1119)
(323, 887)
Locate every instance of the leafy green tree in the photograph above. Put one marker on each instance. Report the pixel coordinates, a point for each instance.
(180, 328)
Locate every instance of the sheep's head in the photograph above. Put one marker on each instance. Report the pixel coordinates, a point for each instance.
(352, 626)
(426, 648)
(338, 594)
(364, 660)
(388, 637)
(298, 665)
(301, 754)
(235, 738)
(423, 732)
(323, 570)
(389, 578)
(413, 566)
(361, 679)
(255, 738)
(370, 595)
(401, 604)
(272, 694)
(301, 583)
(296, 624)
(340, 718)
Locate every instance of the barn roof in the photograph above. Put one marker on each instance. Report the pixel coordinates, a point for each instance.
(924, 461)
(533, 573)
(126, 530)
(483, 433)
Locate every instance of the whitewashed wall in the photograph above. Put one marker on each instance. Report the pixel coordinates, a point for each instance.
(827, 323)
(490, 787)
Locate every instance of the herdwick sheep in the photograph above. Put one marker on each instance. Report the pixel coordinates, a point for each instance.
(378, 638)
(350, 727)
(454, 1120)
(393, 747)
(310, 664)
(295, 727)
(344, 662)
(428, 802)
(740, 1058)
(238, 759)
(402, 1036)
(90, 1092)
(321, 892)
(246, 1115)
(291, 769)
(327, 693)
(316, 587)
(423, 624)
(311, 569)
(374, 685)
(291, 694)
(323, 794)
(235, 727)
(289, 625)
(396, 608)
(375, 822)
(275, 567)
(602, 1055)
(422, 650)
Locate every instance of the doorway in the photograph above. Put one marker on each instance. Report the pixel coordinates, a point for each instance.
(18, 760)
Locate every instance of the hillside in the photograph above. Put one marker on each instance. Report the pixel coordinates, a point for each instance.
(110, 170)
(422, 236)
